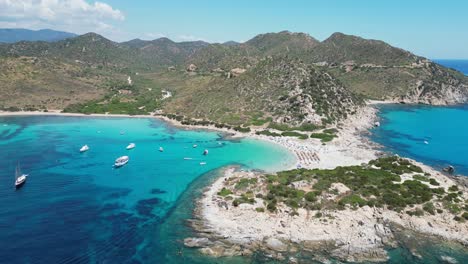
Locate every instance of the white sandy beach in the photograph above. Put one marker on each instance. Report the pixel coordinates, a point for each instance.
(357, 235)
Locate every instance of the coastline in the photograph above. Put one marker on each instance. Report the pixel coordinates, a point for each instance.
(351, 235)
(347, 149)
(245, 231)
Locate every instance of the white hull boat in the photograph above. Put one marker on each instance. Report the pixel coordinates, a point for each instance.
(131, 146)
(20, 178)
(84, 148)
(121, 161)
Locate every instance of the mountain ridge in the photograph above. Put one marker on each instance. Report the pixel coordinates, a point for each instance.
(350, 67)
(12, 35)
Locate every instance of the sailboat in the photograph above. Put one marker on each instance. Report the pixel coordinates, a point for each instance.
(161, 149)
(205, 152)
(20, 178)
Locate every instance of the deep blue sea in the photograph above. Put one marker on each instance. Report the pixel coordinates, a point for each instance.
(460, 65)
(433, 135)
(76, 208)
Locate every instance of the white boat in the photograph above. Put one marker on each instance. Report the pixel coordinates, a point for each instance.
(187, 158)
(84, 148)
(121, 161)
(205, 152)
(426, 142)
(202, 163)
(194, 146)
(20, 178)
(131, 146)
(161, 149)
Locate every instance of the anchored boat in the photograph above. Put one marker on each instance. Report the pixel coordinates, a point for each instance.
(121, 161)
(84, 148)
(131, 146)
(20, 178)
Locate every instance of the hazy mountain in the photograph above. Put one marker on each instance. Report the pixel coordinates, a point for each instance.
(12, 35)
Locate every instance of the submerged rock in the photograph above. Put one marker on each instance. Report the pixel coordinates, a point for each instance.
(196, 242)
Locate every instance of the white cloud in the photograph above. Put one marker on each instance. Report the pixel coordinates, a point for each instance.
(78, 16)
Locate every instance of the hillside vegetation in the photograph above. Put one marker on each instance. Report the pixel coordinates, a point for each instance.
(280, 78)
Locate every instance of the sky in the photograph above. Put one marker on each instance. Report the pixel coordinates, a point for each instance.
(437, 29)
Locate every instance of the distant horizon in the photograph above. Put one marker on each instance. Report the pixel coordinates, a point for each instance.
(162, 37)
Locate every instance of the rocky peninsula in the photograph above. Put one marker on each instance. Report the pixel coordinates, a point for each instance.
(351, 213)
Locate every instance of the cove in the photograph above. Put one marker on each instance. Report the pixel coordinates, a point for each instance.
(76, 208)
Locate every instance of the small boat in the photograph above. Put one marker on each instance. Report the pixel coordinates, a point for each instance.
(121, 161)
(194, 146)
(187, 158)
(122, 132)
(131, 146)
(20, 178)
(426, 142)
(161, 149)
(202, 163)
(205, 152)
(84, 148)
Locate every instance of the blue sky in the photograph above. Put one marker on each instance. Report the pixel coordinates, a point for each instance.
(434, 29)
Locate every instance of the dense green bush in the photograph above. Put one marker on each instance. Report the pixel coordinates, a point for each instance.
(324, 137)
(294, 134)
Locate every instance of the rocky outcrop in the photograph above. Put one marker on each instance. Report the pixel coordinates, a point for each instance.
(439, 87)
(236, 72)
(191, 68)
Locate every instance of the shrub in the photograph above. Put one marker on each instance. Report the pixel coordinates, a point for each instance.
(324, 137)
(420, 177)
(465, 215)
(433, 182)
(224, 192)
(271, 206)
(268, 133)
(429, 207)
(294, 134)
(260, 209)
(353, 200)
(310, 197)
(242, 129)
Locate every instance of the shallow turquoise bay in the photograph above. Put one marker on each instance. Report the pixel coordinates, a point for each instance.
(76, 208)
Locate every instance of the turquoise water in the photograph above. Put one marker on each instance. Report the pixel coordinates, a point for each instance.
(76, 208)
(433, 135)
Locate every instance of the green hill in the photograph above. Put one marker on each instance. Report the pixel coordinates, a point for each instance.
(285, 78)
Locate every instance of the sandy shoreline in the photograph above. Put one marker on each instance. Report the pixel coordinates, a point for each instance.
(354, 235)
(245, 230)
(347, 149)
